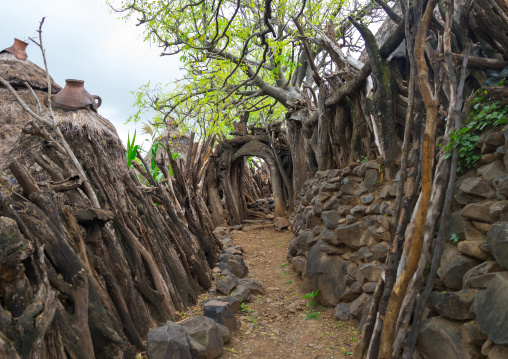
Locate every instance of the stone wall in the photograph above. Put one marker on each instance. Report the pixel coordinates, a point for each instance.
(342, 233)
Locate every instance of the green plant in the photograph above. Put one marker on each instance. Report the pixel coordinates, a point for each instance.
(312, 296)
(464, 139)
(132, 150)
(313, 316)
(364, 159)
(247, 311)
(455, 239)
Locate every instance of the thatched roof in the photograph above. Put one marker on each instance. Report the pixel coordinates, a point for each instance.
(16, 72)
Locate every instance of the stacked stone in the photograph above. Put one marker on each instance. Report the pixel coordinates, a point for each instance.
(468, 309)
(342, 234)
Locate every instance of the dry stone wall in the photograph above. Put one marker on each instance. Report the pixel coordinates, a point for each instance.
(342, 234)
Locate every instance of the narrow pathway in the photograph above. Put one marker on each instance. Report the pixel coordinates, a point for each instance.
(280, 324)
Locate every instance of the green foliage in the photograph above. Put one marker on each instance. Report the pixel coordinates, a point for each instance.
(228, 69)
(313, 316)
(484, 114)
(247, 311)
(312, 295)
(455, 239)
(132, 149)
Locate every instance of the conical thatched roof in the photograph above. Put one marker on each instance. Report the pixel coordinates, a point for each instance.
(16, 72)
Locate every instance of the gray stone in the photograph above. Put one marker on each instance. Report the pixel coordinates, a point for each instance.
(474, 274)
(385, 192)
(358, 211)
(330, 219)
(453, 305)
(497, 238)
(369, 287)
(456, 225)
(225, 285)
(342, 312)
(471, 334)
(253, 285)
(332, 204)
(370, 180)
(220, 313)
(238, 268)
(280, 223)
(453, 266)
(360, 190)
(491, 312)
(312, 220)
(367, 199)
(326, 273)
(493, 351)
(488, 142)
(232, 303)
(170, 341)
(306, 240)
(499, 210)
(359, 305)
(355, 236)
(380, 251)
(348, 188)
(197, 350)
(472, 249)
(331, 187)
(442, 338)
(374, 208)
(294, 246)
(298, 264)
(242, 294)
(371, 271)
(207, 333)
(478, 212)
(351, 293)
(492, 170)
(502, 187)
(225, 333)
(330, 237)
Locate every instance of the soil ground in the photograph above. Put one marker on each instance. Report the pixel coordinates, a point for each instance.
(281, 324)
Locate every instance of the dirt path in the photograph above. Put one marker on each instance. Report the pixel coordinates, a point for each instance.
(280, 324)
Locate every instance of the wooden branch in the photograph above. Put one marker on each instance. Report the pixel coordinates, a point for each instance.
(389, 11)
(24, 178)
(475, 61)
(63, 186)
(310, 59)
(88, 215)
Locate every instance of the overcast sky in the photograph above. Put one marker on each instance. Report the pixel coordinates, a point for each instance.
(84, 41)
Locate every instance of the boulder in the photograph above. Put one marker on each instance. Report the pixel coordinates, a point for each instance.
(326, 273)
(352, 292)
(488, 142)
(367, 199)
(478, 212)
(330, 237)
(371, 271)
(312, 220)
(453, 305)
(442, 338)
(342, 312)
(497, 238)
(207, 333)
(477, 187)
(491, 312)
(354, 235)
(471, 334)
(501, 184)
(224, 333)
(330, 219)
(499, 210)
(220, 313)
(492, 170)
(359, 305)
(358, 211)
(348, 188)
(477, 274)
(253, 286)
(370, 179)
(280, 223)
(472, 249)
(369, 287)
(306, 240)
(493, 351)
(170, 341)
(232, 303)
(242, 294)
(225, 285)
(453, 266)
(298, 264)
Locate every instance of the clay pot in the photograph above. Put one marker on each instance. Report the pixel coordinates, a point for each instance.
(18, 49)
(74, 96)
